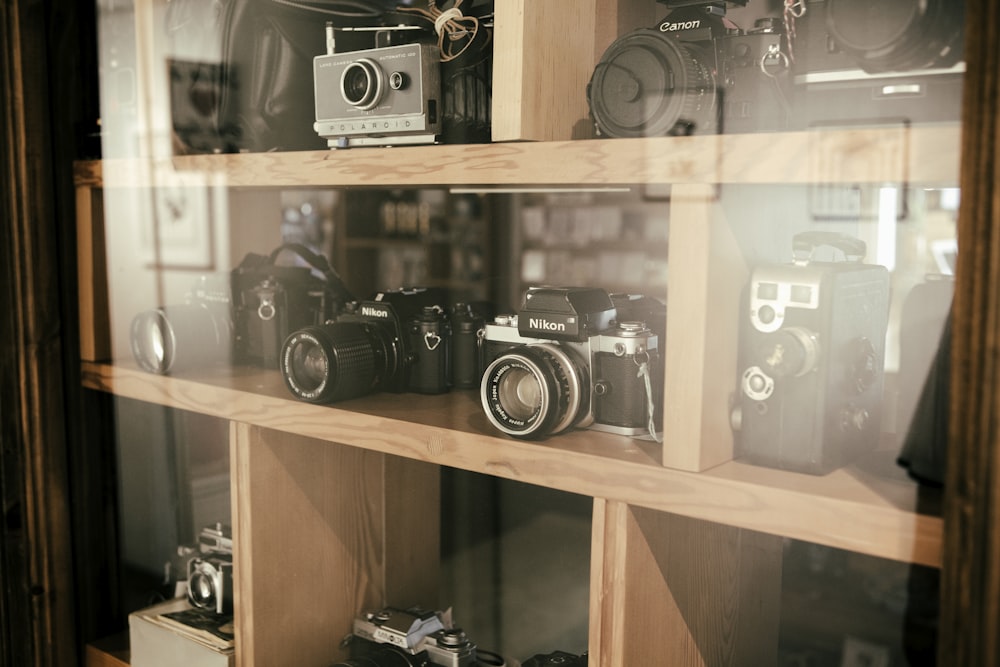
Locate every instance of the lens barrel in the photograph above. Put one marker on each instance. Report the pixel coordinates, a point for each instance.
(532, 391)
(649, 84)
(179, 337)
(335, 361)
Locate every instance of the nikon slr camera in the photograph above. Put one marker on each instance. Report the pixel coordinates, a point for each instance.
(210, 571)
(570, 359)
(692, 73)
(395, 341)
(391, 637)
(811, 358)
(410, 86)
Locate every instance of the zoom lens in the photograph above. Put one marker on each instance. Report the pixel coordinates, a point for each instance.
(532, 391)
(178, 337)
(362, 84)
(648, 84)
(335, 361)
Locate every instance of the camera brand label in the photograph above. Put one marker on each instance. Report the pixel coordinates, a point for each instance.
(371, 126)
(389, 637)
(545, 325)
(668, 26)
(374, 311)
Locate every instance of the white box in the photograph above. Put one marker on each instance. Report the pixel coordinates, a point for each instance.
(154, 642)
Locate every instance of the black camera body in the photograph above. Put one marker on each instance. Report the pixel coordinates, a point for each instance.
(393, 342)
(210, 571)
(891, 61)
(272, 300)
(407, 86)
(811, 359)
(565, 361)
(691, 74)
(413, 636)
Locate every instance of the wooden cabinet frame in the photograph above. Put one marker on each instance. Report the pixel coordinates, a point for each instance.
(637, 519)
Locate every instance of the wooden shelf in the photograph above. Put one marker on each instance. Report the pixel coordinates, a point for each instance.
(925, 154)
(869, 508)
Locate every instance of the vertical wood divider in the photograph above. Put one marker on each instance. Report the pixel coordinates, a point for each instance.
(544, 54)
(669, 590)
(707, 272)
(323, 532)
(92, 276)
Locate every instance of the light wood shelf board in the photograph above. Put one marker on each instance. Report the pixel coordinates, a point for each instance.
(851, 508)
(913, 155)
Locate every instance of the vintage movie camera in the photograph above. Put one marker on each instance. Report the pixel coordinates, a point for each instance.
(811, 358)
(425, 77)
(395, 341)
(210, 571)
(556, 659)
(569, 359)
(390, 637)
(891, 61)
(188, 335)
(693, 73)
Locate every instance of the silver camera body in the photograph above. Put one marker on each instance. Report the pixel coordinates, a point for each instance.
(210, 572)
(383, 96)
(570, 359)
(416, 632)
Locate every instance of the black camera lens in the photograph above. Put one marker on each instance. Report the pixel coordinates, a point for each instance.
(386, 656)
(649, 84)
(897, 34)
(532, 391)
(362, 83)
(177, 337)
(335, 361)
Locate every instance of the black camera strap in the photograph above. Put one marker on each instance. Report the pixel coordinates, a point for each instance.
(331, 278)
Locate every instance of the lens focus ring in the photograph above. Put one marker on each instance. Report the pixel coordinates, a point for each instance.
(535, 390)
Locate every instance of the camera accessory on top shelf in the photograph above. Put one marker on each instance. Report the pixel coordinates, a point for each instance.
(395, 341)
(695, 72)
(892, 61)
(424, 80)
(811, 358)
(568, 360)
(393, 637)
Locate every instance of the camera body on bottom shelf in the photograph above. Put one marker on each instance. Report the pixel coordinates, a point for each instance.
(566, 360)
(210, 571)
(390, 637)
(811, 359)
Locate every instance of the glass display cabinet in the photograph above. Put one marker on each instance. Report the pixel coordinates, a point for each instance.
(793, 218)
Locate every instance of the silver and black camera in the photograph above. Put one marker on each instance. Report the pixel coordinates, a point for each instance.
(390, 637)
(210, 572)
(693, 73)
(567, 360)
(410, 87)
(811, 358)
